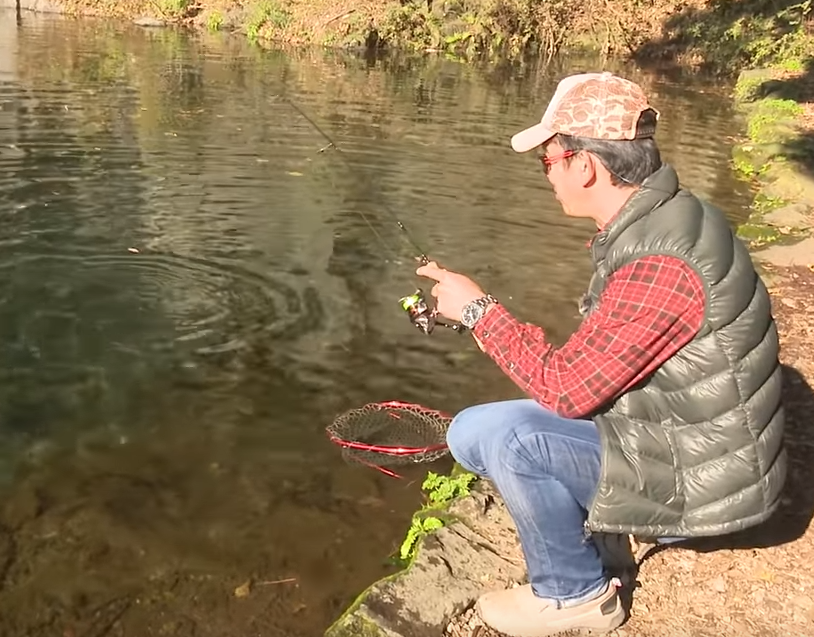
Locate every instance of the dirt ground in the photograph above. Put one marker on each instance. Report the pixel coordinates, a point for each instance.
(760, 582)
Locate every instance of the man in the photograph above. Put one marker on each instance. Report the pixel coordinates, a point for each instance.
(661, 415)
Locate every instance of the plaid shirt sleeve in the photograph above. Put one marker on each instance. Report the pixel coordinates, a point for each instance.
(650, 309)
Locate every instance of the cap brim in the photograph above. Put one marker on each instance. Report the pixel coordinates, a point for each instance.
(531, 138)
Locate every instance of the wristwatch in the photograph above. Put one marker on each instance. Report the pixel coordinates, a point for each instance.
(474, 310)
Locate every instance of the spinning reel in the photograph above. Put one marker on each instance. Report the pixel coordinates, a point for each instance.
(424, 317)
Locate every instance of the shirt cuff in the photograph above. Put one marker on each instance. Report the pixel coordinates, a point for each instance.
(483, 329)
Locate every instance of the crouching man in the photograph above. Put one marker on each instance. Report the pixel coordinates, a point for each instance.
(661, 416)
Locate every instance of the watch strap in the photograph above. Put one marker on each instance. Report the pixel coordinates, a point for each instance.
(485, 300)
(482, 303)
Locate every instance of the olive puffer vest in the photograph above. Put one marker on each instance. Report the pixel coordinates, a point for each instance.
(696, 448)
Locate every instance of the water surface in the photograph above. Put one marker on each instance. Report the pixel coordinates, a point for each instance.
(189, 295)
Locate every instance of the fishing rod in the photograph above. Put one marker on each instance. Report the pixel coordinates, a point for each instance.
(421, 314)
(422, 257)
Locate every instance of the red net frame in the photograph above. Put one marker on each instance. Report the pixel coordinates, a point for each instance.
(391, 433)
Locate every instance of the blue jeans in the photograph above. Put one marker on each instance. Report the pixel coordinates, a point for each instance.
(546, 468)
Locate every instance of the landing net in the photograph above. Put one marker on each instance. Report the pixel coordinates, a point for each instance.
(390, 433)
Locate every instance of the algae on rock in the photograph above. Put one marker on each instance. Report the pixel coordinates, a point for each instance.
(475, 552)
(769, 158)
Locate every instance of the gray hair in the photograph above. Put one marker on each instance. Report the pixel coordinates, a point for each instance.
(629, 162)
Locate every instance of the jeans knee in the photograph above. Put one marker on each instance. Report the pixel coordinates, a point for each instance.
(474, 436)
(463, 443)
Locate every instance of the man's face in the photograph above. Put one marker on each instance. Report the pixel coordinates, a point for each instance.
(563, 177)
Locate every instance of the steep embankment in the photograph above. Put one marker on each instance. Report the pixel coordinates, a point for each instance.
(715, 35)
(668, 28)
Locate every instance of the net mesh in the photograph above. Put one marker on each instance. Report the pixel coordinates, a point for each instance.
(391, 433)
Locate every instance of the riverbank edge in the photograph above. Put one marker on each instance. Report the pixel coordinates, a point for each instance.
(775, 155)
(335, 24)
(471, 548)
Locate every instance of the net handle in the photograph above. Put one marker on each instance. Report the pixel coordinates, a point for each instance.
(391, 451)
(385, 471)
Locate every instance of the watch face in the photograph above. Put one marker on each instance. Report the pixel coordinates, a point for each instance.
(470, 314)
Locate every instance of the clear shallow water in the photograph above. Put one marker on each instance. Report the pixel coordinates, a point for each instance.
(189, 295)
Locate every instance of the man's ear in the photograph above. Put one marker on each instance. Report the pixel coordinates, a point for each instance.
(587, 168)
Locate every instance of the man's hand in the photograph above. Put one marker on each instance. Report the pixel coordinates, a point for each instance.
(452, 290)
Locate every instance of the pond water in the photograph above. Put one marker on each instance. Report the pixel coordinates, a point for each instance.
(189, 295)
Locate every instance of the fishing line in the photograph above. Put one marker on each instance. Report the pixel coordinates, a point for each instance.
(422, 315)
(422, 256)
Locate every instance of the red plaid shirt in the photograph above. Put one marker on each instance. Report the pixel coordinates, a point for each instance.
(649, 309)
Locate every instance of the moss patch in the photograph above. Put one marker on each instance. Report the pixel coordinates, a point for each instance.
(775, 154)
(474, 551)
(773, 121)
(356, 623)
(441, 492)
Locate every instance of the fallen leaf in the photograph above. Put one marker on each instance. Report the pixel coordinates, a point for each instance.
(244, 589)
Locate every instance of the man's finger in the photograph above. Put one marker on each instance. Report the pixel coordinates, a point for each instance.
(431, 271)
(435, 290)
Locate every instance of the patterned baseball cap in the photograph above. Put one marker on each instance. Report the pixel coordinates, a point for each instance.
(595, 105)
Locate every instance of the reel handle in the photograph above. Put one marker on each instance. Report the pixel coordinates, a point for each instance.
(455, 327)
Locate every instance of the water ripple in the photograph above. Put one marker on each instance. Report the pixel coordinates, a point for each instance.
(198, 305)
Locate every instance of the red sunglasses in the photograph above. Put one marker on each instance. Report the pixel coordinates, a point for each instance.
(549, 160)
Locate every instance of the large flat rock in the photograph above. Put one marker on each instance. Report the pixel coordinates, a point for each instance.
(801, 253)
(455, 565)
(795, 215)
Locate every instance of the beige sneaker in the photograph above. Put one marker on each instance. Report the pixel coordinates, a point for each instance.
(519, 613)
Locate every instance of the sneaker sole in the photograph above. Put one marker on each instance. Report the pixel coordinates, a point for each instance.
(569, 632)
